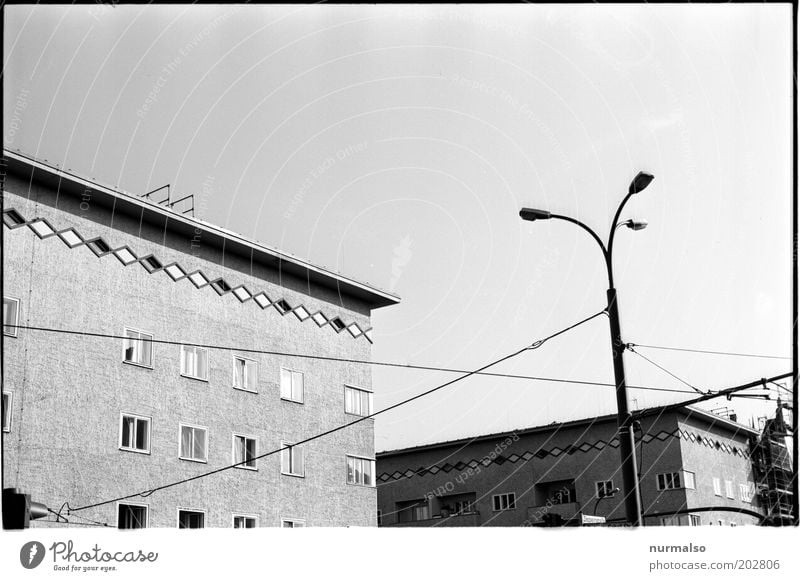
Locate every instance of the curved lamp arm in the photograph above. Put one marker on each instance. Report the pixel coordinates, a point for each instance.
(606, 253)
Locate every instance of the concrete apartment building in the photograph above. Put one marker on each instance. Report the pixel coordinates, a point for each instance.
(696, 469)
(88, 418)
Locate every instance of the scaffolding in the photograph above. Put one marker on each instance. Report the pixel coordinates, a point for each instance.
(773, 467)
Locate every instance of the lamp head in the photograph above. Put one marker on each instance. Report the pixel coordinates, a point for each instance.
(531, 214)
(640, 182)
(636, 224)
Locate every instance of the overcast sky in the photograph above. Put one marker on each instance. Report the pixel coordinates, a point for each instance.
(397, 144)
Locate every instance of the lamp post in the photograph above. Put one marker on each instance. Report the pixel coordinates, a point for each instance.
(609, 495)
(630, 480)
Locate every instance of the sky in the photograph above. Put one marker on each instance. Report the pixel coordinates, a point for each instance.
(396, 144)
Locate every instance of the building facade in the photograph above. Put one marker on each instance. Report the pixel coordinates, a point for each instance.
(176, 362)
(695, 469)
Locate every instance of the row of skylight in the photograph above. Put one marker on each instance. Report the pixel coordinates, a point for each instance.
(72, 238)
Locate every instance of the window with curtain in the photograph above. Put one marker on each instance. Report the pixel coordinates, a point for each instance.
(194, 362)
(138, 348)
(244, 373)
(132, 516)
(193, 443)
(292, 460)
(135, 433)
(291, 385)
(360, 471)
(357, 401)
(244, 450)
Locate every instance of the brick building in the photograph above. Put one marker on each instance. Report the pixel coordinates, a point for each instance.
(695, 469)
(89, 418)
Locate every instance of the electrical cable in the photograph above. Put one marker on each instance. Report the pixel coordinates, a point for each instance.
(711, 395)
(708, 352)
(667, 371)
(146, 493)
(345, 360)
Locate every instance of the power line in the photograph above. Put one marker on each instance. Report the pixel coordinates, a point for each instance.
(710, 352)
(667, 371)
(344, 360)
(146, 493)
(723, 392)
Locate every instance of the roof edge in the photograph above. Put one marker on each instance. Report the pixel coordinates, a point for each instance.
(16, 163)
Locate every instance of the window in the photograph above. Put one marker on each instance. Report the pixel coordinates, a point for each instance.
(729, 489)
(360, 471)
(191, 519)
(681, 520)
(463, 507)
(604, 488)
(292, 523)
(131, 516)
(134, 433)
(412, 510)
(193, 445)
(7, 398)
(668, 481)
(688, 480)
(292, 460)
(357, 401)
(10, 316)
(507, 501)
(245, 374)
(380, 518)
(244, 450)
(747, 491)
(244, 521)
(194, 362)
(291, 385)
(138, 348)
(717, 487)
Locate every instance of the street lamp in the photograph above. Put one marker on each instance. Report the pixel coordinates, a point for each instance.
(630, 481)
(609, 495)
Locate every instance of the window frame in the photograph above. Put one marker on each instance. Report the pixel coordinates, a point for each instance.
(146, 507)
(302, 399)
(196, 510)
(370, 398)
(688, 477)
(347, 472)
(180, 442)
(141, 332)
(254, 467)
(149, 420)
(672, 476)
(608, 486)
(18, 302)
(236, 515)
(294, 521)
(291, 448)
(7, 410)
(247, 361)
(511, 501)
(730, 490)
(183, 363)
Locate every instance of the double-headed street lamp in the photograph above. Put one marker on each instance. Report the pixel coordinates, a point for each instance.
(630, 480)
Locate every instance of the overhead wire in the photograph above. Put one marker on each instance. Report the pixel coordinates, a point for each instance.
(343, 359)
(709, 352)
(665, 370)
(147, 493)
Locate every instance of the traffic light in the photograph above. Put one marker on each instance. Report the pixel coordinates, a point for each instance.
(18, 509)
